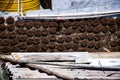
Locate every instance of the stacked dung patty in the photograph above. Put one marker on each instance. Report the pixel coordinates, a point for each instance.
(11, 27)
(29, 25)
(2, 20)
(10, 20)
(37, 24)
(91, 34)
(20, 23)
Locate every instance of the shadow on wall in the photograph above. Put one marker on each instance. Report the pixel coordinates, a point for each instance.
(46, 4)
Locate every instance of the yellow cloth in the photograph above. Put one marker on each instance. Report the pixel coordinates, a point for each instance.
(12, 5)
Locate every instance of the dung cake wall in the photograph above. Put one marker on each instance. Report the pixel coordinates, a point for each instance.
(92, 35)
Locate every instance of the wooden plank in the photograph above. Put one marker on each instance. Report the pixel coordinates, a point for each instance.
(97, 78)
(51, 56)
(105, 54)
(26, 72)
(85, 72)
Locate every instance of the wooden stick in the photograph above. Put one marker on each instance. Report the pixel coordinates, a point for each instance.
(83, 66)
(107, 50)
(49, 72)
(56, 60)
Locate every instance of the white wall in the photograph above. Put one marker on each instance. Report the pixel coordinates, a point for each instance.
(104, 5)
